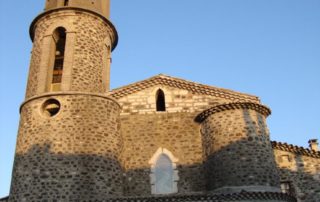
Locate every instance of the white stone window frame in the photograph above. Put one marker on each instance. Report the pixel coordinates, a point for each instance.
(153, 162)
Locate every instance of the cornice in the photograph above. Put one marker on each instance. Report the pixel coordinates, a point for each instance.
(232, 106)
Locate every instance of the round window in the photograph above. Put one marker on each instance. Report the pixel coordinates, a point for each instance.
(51, 107)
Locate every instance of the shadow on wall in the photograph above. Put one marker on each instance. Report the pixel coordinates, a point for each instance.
(241, 173)
(40, 174)
(5, 199)
(137, 182)
(238, 157)
(304, 181)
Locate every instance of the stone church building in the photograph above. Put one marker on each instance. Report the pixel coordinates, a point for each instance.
(160, 139)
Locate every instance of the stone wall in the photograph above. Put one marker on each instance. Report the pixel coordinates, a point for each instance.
(302, 172)
(144, 131)
(144, 134)
(68, 154)
(238, 153)
(4, 199)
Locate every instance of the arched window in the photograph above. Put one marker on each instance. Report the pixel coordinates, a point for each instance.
(161, 102)
(164, 176)
(60, 40)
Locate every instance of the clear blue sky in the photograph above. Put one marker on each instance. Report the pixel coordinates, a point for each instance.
(269, 48)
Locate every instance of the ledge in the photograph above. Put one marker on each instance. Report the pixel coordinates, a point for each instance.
(51, 94)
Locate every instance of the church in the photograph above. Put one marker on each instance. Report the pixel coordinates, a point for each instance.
(160, 139)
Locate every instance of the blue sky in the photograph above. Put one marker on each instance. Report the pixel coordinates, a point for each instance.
(269, 48)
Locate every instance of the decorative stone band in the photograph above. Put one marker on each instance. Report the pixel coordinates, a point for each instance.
(50, 94)
(33, 24)
(295, 149)
(231, 106)
(243, 196)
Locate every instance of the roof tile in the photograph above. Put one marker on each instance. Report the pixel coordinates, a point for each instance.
(182, 84)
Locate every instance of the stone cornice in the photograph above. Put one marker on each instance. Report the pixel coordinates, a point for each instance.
(185, 85)
(231, 106)
(295, 149)
(32, 26)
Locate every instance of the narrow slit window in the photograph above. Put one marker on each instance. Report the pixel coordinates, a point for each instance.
(59, 58)
(66, 2)
(161, 103)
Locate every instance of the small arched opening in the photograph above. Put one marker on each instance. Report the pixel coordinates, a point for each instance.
(160, 101)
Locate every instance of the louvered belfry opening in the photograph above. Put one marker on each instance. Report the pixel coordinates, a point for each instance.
(59, 55)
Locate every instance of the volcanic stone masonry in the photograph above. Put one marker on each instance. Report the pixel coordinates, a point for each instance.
(160, 139)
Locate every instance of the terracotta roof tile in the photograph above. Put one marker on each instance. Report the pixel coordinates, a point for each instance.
(295, 149)
(183, 84)
(243, 196)
(230, 106)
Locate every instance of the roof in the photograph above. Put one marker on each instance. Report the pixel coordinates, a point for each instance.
(231, 106)
(295, 149)
(193, 87)
(4, 199)
(242, 196)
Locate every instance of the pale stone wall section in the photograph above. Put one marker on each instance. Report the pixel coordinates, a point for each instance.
(177, 100)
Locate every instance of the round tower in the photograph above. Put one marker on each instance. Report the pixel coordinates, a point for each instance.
(69, 144)
(237, 149)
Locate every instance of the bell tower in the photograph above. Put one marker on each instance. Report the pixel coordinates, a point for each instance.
(69, 144)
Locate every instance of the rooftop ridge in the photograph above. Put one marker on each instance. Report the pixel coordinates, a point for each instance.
(231, 106)
(182, 84)
(252, 196)
(295, 149)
